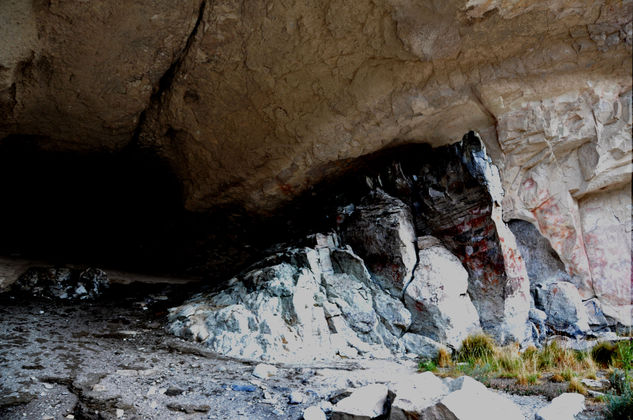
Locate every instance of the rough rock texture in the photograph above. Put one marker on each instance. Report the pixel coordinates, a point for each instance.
(564, 309)
(301, 304)
(455, 194)
(541, 261)
(381, 231)
(253, 103)
(437, 296)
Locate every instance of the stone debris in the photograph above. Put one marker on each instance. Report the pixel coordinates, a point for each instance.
(596, 384)
(563, 407)
(296, 397)
(364, 403)
(62, 283)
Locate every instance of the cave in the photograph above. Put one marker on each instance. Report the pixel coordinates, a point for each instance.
(217, 209)
(121, 209)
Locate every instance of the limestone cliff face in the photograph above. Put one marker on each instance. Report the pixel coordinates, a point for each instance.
(254, 102)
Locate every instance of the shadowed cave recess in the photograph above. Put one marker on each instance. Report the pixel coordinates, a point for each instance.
(124, 210)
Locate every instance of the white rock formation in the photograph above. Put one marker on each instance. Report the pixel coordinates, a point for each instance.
(437, 297)
(302, 304)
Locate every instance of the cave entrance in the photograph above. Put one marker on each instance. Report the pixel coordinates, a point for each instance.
(119, 209)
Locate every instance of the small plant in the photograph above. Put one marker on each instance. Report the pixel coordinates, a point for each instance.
(621, 406)
(557, 377)
(625, 355)
(532, 378)
(576, 386)
(478, 348)
(427, 366)
(568, 374)
(443, 358)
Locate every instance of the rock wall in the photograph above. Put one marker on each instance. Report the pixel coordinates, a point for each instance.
(252, 103)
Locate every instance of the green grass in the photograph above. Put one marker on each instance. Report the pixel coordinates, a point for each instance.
(620, 402)
(427, 366)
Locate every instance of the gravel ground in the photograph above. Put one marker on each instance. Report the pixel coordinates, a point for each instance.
(112, 360)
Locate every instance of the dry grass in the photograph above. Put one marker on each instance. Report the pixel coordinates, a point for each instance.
(576, 386)
(443, 358)
(481, 358)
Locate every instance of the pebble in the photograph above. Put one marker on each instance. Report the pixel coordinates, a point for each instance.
(119, 413)
(326, 406)
(264, 371)
(296, 397)
(244, 388)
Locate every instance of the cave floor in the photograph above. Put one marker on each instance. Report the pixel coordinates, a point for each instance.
(112, 359)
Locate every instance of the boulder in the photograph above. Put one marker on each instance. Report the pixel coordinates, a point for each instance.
(565, 310)
(437, 296)
(595, 316)
(415, 395)
(381, 231)
(471, 400)
(428, 397)
(563, 407)
(264, 371)
(422, 346)
(365, 403)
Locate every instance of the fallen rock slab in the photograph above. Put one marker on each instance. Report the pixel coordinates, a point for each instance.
(471, 400)
(365, 403)
(416, 395)
(564, 407)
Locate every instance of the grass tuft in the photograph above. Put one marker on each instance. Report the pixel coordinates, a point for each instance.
(443, 359)
(427, 366)
(480, 347)
(576, 386)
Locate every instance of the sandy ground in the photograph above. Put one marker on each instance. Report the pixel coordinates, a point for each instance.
(112, 359)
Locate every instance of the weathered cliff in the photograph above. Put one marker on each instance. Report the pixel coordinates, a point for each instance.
(252, 103)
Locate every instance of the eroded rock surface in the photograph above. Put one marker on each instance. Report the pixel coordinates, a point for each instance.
(437, 296)
(302, 304)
